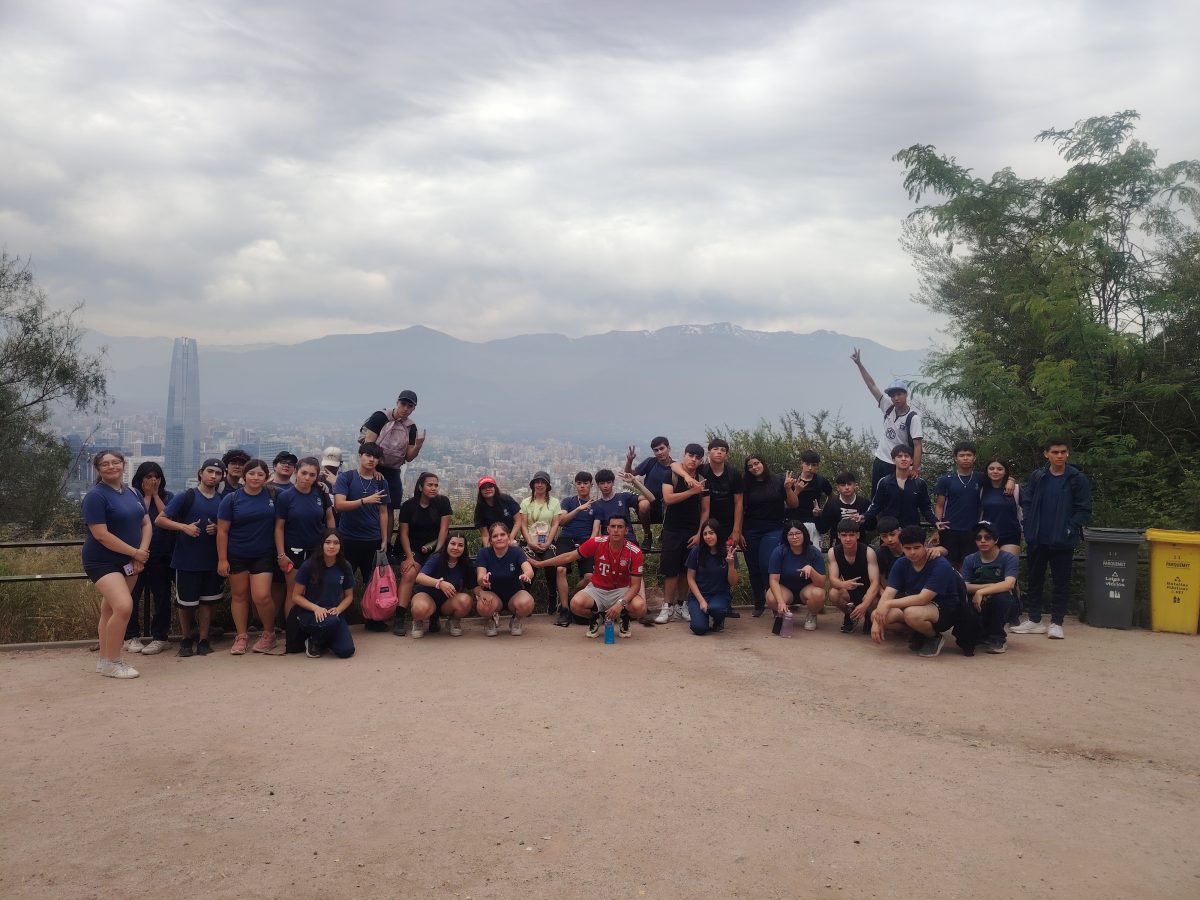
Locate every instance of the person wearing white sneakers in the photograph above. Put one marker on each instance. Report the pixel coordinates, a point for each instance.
(680, 532)
(1057, 503)
(796, 574)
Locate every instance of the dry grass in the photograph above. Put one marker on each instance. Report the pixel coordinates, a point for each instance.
(46, 610)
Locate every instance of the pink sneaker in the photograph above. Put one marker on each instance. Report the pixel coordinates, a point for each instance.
(266, 643)
(239, 645)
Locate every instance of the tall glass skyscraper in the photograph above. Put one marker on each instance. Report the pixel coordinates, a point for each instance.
(182, 450)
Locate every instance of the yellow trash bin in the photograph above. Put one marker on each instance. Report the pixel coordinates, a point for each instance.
(1174, 580)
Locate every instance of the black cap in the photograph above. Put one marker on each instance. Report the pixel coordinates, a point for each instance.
(409, 396)
(285, 456)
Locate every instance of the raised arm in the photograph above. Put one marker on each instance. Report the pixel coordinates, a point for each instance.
(856, 356)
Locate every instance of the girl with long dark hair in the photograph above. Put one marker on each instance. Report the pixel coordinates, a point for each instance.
(445, 585)
(151, 593)
(711, 574)
(324, 591)
(765, 503)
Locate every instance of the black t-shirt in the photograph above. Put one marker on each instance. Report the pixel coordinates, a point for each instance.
(886, 559)
(504, 510)
(424, 523)
(376, 422)
(835, 510)
(721, 491)
(684, 515)
(765, 501)
(815, 491)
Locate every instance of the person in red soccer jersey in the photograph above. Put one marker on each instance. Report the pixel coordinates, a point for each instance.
(616, 586)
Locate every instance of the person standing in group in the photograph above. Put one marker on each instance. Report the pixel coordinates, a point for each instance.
(360, 498)
(492, 506)
(234, 462)
(901, 424)
(956, 504)
(503, 572)
(1000, 504)
(797, 574)
(712, 572)
(723, 499)
(324, 591)
(846, 503)
(812, 490)
(397, 438)
(115, 551)
(537, 524)
(655, 471)
(680, 532)
(192, 515)
(424, 527)
(331, 467)
(612, 502)
(283, 469)
(768, 499)
(902, 495)
(303, 515)
(152, 591)
(1057, 503)
(246, 555)
(576, 524)
(446, 584)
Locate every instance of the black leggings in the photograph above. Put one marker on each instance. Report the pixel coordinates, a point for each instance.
(153, 586)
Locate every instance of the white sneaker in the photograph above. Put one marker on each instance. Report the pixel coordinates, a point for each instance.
(155, 647)
(133, 645)
(683, 613)
(1030, 627)
(418, 628)
(1056, 632)
(455, 626)
(810, 622)
(493, 625)
(664, 615)
(118, 669)
(514, 627)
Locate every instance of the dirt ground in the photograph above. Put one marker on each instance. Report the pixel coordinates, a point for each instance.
(734, 765)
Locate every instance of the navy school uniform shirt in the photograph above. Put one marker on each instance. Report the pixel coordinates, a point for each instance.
(251, 521)
(937, 575)
(787, 565)
(122, 512)
(1001, 510)
(460, 577)
(620, 503)
(505, 571)
(194, 554)
(976, 571)
(329, 592)
(162, 541)
(580, 526)
(962, 499)
(362, 522)
(654, 475)
(712, 572)
(303, 517)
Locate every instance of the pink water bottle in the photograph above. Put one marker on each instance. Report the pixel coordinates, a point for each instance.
(789, 621)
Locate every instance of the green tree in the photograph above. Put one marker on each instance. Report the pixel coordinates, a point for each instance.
(840, 446)
(1072, 307)
(42, 368)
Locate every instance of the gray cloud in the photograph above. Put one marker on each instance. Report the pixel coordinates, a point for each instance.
(246, 171)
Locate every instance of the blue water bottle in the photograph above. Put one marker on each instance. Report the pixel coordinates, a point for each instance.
(610, 633)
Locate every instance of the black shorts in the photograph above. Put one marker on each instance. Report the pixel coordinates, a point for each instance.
(95, 573)
(566, 544)
(507, 592)
(947, 616)
(958, 544)
(295, 557)
(194, 588)
(674, 552)
(433, 594)
(656, 514)
(262, 565)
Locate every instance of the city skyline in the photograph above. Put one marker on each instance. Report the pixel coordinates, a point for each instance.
(181, 440)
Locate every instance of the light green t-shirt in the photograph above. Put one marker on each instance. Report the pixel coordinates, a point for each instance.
(536, 511)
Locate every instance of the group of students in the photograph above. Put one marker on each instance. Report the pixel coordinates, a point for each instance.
(289, 539)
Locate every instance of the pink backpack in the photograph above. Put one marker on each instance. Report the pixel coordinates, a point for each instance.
(379, 599)
(393, 440)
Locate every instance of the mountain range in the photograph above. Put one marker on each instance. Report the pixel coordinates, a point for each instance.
(621, 386)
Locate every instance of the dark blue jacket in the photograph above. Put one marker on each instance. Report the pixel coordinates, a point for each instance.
(1073, 515)
(908, 505)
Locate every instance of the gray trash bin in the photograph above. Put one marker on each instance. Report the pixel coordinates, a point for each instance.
(1111, 576)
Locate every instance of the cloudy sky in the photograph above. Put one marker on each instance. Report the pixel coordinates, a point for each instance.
(244, 172)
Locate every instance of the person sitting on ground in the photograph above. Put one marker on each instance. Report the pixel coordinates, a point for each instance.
(712, 572)
(922, 597)
(577, 522)
(797, 574)
(492, 506)
(846, 503)
(615, 589)
(902, 494)
(424, 526)
(956, 504)
(537, 525)
(445, 585)
(655, 471)
(324, 591)
(303, 514)
(853, 577)
(991, 577)
(504, 573)
(192, 514)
